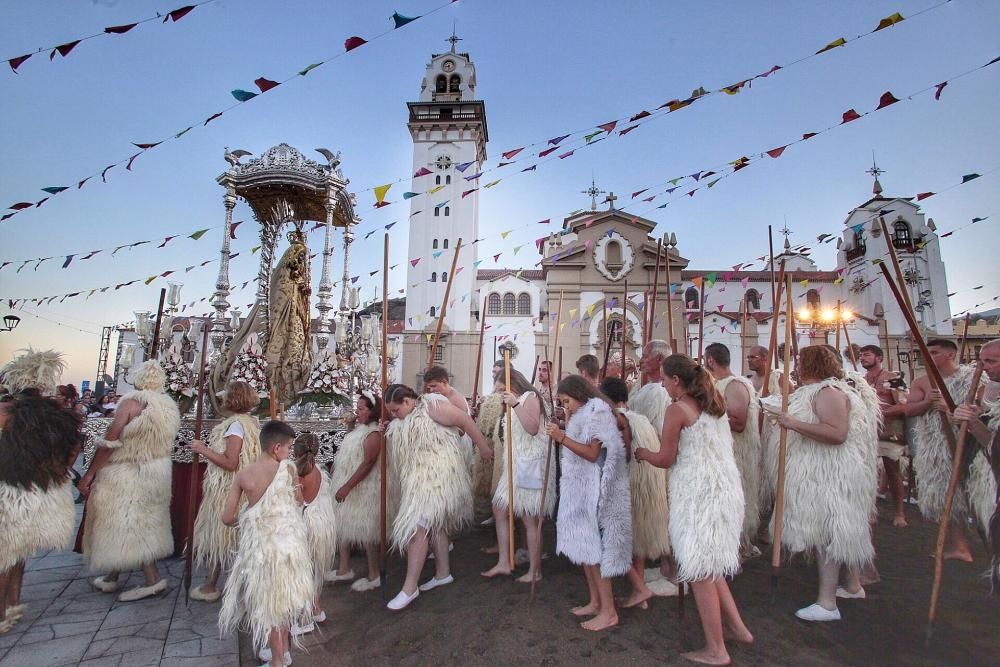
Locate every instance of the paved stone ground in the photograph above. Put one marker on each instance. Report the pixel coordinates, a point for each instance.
(68, 622)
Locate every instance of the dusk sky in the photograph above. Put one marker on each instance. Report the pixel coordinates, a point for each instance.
(544, 69)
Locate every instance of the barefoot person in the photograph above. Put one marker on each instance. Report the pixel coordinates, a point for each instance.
(706, 501)
(830, 481)
(233, 444)
(271, 584)
(594, 528)
(892, 437)
(434, 481)
(39, 440)
(321, 524)
(357, 480)
(742, 410)
(132, 469)
(530, 446)
(648, 492)
(932, 461)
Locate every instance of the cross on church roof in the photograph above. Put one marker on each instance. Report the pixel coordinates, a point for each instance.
(875, 172)
(610, 199)
(454, 39)
(593, 191)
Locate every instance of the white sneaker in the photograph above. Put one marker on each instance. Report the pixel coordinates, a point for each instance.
(816, 613)
(651, 574)
(105, 585)
(402, 600)
(198, 593)
(434, 582)
(333, 577)
(520, 557)
(362, 585)
(847, 595)
(299, 630)
(662, 587)
(143, 592)
(320, 617)
(265, 655)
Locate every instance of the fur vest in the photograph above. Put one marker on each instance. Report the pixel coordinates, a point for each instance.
(648, 493)
(651, 401)
(321, 530)
(358, 516)
(150, 435)
(529, 469)
(746, 451)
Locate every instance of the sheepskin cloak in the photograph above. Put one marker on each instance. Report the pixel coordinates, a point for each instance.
(651, 401)
(358, 516)
(706, 502)
(128, 513)
(830, 489)
(435, 487)
(271, 583)
(34, 519)
(595, 514)
(648, 493)
(215, 543)
(486, 474)
(321, 530)
(932, 464)
(529, 469)
(746, 450)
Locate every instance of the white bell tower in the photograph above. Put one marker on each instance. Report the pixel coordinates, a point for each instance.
(448, 128)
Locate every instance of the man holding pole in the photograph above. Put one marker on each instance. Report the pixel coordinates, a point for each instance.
(891, 439)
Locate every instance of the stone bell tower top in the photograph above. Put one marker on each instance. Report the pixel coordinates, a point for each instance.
(450, 77)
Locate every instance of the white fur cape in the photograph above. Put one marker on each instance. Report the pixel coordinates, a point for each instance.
(651, 401)
(706, 502)
(830, 489)
(128, 513)
(484, 481)
(215, 543)
(594, 525)
(648, 493)
(435, 487)
(321, 530)
(271, 583)
(746, 450)
(529, 454)
(358, 516)
(35, 519)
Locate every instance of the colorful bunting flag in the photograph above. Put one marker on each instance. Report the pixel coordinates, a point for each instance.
(399, 20)
(352, 43)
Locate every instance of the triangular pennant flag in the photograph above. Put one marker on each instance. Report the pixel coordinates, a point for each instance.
(309, 68)
(710, 279)
(531, 168)
(463, 166)
(54, 190)
(435, 189)
(608, 127)
(641, 114)
(638, 192)
(509, 154)
(938, 88)
(63, 49)
(622, 133)
(352, 43)
(243, 95)
(697, 280)
(410, 195)
(232, 229)
(166, 241)
(504, 235)
(804, 282)
(850, 115)
(567, 154)
(17, 62)
(442, 203)
(69, 258)
(437, 254)
(399, 20)
(832, 45)
(120, 29)
(496, 257)
(473, 177)
(924, 195)
(265, 84)
(969, 177)
(886, 99)
(178, 14)
(413, 262)
(381, 191)
(492, 183)
(423, 171)
(888, 21)
(548, 151)
(211, 118)
(554, 141)
(589, 137)
(776, 152)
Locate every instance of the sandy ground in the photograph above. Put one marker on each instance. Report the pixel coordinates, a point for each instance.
(476, 621)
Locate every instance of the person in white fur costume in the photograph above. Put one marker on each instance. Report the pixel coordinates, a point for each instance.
(435, 485)
(932, 462)
(594, 528)
(742, 410)
(706, 500)
(271, 586)
(357, 484)
(647, 490)
(39, 441)
(233, 444)
(830, 473)
(132, 469)
(530, 447)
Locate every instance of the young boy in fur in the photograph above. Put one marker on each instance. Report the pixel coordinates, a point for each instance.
(271, 584)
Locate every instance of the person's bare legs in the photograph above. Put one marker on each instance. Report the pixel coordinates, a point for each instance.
(14, 584)
(733, 626)
(829, 573)
(372, 552)
(442, 559)
(416, 555)
(151, 572)
(956, 547)
(532, 527)
(211, 581)
(503, 566)
(594, 606)
(852, 582)
(706, 597)
(895, 480)
(344, 560)
(607, 616)
(279, 644)
(636, 577)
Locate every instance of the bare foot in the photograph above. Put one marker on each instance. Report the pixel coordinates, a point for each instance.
(588, 610)
(704, 657)
(743, 637)
(601, 622)
(899, 521)
(637, 598)
(491, 550)
(496, 571)
(961, 554)
(527, 578)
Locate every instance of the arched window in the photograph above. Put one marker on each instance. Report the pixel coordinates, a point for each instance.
(613, 255)
(447, 211)
(447, 179)
(524, 304)
(812, 298)
(509, 304)
(437, 180)
(437, 211)
(752, 299)
(453, 83)
(692, 299)
(434, 277)
(444, 276)
(441, 84)
(493, 304)
(434, 246)
(446, 244)
(433, 311)
(901, 235)
(615, 331)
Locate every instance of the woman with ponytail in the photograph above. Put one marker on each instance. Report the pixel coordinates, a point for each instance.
(706, 500)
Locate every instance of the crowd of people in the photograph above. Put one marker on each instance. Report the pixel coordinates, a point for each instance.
(674, 461)
(88, 405)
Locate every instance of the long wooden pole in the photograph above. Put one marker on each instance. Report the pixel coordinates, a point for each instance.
(651, 313)
(670, 302)
(444, 303)
(624, 327)
(701, 321)
(772, 349)
(837, 335)
(779, 497)
(548, 455)
(607, 336)
(508, 428)
(383, 463)
(775, 287)
(479, 352)
(965, 339)
(743, 339)
(847, 339)
(534, 370)
(194, 479)
(155, 345)
(895, 267)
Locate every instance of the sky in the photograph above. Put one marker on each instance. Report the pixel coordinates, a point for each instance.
(543, 70)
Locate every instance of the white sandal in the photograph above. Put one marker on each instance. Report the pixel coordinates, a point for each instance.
(105, 585)
(143, 592)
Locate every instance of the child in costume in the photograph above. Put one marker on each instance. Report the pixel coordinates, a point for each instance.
(321, 525)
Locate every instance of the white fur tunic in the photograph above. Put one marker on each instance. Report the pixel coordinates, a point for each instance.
(830, 489)
(706, 502)
(651, 401)
(271, 583)
(358, 516)
(321, 530)
(529, 469)
(746, 450)
(932, 464)
(33, 520)
(128, 512)
(595, 516)
(648, 493)
(435, 487)
(215, 543)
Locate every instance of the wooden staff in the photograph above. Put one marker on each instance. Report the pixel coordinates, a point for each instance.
(775, 287)
(670, 302)
(194, 478)
(743, 340)
(607, 336)
(965, 338)
(779, 497)
(847, 339)
(624, 328)
(836, 343)
(652, 299)
(510, 465)
(479, 351)
(444, 303)
(383, 449)
(701, 320)
(272, 404)
(155, 346)
(534, 370)
(772, 349)
(949, 498)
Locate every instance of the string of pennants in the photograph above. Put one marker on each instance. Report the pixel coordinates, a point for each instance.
(263, 84)
(588, 136)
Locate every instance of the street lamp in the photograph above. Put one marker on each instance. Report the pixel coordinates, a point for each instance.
(10, 322)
